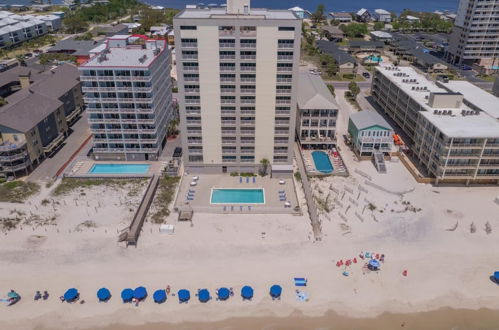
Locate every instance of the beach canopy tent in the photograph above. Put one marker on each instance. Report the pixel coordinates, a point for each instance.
(127, 295)
(247, 292)
(204, 295)
(373, 264)
(71, 295)
(300, 281)
(159, 296)
(275, 291)
(184, 295)
(103, 294)
(140, 293)
(223, 293)
(496, 276)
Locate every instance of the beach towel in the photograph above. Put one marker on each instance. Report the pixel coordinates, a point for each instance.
(300, 281)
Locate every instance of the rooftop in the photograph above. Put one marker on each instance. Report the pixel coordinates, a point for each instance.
(367, 118)
(340, 14)
(459, 120)
(330, 48)
(121, 51)
(27, 107)
(381, 34)
(313, 93)
(255, 13)
(74, 47)
(476, 96)
(382, 12)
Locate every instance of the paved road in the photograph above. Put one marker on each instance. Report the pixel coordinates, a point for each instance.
(49, 167)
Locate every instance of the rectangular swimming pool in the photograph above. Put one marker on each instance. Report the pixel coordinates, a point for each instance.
(119, 169)
(322, 162)
(237, 196)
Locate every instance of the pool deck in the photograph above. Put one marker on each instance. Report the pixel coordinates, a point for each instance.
(202, 195)
(338, 166)
(80, 169)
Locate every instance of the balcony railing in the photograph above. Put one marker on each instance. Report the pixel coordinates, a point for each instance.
(248, 45)
(285, 69)
(227, 45)
(14, 157)
(189, 44)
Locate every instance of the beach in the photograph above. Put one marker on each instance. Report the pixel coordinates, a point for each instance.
(446, 266)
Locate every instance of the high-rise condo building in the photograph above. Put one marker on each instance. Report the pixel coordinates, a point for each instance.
(475, 37)
(237, 75)
(127, 88)
(451, 128)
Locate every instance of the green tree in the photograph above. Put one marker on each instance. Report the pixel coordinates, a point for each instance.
(318, 16)
(332, 68)
(75, 24)
(354, 89)
(264, 166)
(354, 30)
(335, 22)
(331, 89)
(85, 36)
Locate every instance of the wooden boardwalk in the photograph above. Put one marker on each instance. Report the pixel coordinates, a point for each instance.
(132, 235)
(312, 208)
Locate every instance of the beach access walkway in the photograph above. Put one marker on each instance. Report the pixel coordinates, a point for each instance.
(312, 208)
(133, 232)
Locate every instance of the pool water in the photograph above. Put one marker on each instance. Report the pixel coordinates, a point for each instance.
(374, 58)
(237, 196)
(322, 162)
(119, 169)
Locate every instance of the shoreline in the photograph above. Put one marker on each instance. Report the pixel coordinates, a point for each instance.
(442, 318)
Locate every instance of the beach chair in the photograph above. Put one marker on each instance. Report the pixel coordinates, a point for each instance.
(282, 192)
(232, 208)
(241, 208)
(240, 179)
(225, 208)
(190, 198)
(254, 179)
(249, 207)
(247, 179)
(282, 199)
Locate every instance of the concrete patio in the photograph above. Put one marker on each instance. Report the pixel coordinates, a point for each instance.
(202, 194)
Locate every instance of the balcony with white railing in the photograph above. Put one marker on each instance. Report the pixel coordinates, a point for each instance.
(15, 168)
(283, 91)
(191, 68)
(193, 121)
(245, 132)
(247, 141)
(248, 80)
(284, 80)
(284, 69)
(250, 45)
(248, 57)
(283, 101)
(191, 90)
(245, 101)
(228, 101)
(228, 79)
(14, 157)
(192, 101)
(189, 45)
(228, 57)
(227, 44)
(248, 68)
(247, 122)
(191, 79)
(189, 56)
(228, 122)
(227, 90)
(285, 58)
(227, 68)
(285, 45)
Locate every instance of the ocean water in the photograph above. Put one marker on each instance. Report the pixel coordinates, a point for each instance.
(351, 5)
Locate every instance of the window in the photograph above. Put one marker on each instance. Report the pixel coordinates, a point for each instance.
(286, 28)
(188, 27)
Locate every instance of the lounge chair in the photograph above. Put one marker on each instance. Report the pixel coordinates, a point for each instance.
(282, 199)
(241, 208)
(225, 208)
(232, 208)
(190, 198)
(247, 179)
(282, 191)
(240, 179)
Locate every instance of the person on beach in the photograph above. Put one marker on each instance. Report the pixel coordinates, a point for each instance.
(168, 289)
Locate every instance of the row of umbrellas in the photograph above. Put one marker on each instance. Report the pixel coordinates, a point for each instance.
(160, 296)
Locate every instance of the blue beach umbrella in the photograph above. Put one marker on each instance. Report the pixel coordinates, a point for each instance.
(223, 293)
(103, 294)
(127, 295)
(159, 296)
(184, 295)
(374, 263)
(204, 295)
(275, 291)
(71, 295)
(496, 276)
(247, 292)
(140, 293)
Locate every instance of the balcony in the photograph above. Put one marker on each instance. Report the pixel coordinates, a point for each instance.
(248, 68)
(189, 45)
(190, 79)
(192, 90)
(191, 68)
(243, 101)
(248, 80)
(285, 69)
(229, 132)
(228, 79)
(14, 157)
(192, 101)
(227, 90)
(194, 142)
(228, 57)
(247, 112)
(14, 168)
(193, 112)
(283, 91)
(251, 45)
(227, 68)
(226, 101)
(248, 57)
(283, 101)
(9, 146)
(228, 112)
(244, 132)
(248, 90)
(227, 44)
(191, 121)
(229, 142)
(281, 45)
(284, 80)
(285, 58)
(222, 33)
(247, 141)
(189, 57)
(228, 122)
(248, 122)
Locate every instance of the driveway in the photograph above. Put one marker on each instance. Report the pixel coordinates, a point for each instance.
(49, 167)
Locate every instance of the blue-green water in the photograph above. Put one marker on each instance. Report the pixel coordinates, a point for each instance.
(322, 162)
(119, 169)
(237, 196)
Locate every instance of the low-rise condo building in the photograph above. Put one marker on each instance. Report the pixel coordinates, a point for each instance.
(39, 108)
(317, 113)
(237, 71)
(128, 96)
(452, 128)
(370, 133)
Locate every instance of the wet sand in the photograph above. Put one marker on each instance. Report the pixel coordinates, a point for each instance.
(442, 319)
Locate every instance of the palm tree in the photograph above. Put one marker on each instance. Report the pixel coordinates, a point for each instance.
(265, 165)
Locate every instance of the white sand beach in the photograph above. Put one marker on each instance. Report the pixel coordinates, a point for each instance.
(445, 268)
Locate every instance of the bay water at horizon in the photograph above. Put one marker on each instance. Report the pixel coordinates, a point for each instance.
(396, 6)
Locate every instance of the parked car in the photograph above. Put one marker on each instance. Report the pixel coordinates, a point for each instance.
(366, 75)
(466, 67)
(177, 153)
